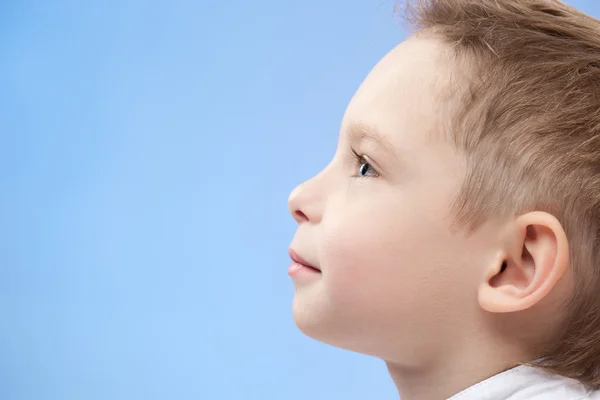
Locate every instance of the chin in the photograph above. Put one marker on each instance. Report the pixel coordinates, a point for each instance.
(306, 313)
(314, 320)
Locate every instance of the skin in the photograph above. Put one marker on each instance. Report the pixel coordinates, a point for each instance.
(398, 281)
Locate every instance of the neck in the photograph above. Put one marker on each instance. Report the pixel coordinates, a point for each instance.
(447, 376)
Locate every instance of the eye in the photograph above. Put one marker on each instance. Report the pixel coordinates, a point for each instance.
(365, 170)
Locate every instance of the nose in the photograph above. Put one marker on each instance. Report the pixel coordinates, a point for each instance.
(305, 202)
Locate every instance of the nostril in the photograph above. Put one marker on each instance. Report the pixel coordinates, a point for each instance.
(299, 216)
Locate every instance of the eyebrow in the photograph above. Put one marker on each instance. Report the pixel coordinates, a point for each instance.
(358, 132)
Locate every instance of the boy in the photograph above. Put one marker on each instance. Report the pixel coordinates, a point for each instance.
(456, 232)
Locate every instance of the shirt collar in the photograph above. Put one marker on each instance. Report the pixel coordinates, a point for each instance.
(525, 383)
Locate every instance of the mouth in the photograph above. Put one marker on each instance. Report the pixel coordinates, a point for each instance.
(296, 258)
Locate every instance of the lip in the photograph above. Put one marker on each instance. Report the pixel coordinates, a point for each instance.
(299, 260)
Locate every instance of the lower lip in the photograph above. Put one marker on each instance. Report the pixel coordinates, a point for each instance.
(302, 271)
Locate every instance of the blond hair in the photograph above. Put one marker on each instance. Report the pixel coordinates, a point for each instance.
(529, 128)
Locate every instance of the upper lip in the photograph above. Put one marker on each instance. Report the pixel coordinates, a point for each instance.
(299, 260)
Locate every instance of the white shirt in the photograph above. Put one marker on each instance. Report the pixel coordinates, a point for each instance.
(527, 383)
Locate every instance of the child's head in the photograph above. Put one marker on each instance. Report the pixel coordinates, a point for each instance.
(460, 215)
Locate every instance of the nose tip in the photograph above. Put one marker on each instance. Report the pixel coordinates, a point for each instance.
(305, 202)
(294, 207)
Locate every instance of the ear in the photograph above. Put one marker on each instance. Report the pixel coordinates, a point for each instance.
(534, 258)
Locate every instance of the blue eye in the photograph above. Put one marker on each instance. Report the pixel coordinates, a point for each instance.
(365, 170)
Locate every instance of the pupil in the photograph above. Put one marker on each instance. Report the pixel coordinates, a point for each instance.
(364, 168)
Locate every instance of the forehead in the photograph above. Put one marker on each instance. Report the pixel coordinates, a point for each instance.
(401, 96)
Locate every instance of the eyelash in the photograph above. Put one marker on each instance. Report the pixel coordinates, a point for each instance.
(360, 161)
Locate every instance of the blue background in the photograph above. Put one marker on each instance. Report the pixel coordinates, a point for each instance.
(147, 149)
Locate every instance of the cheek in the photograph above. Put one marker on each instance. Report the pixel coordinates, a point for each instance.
(390, 274)
(384, 260)
(363, 251)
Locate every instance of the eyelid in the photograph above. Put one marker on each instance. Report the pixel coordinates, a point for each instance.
(361, 132)
(364, 158)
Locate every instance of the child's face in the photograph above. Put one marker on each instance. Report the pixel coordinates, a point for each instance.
(394, 276)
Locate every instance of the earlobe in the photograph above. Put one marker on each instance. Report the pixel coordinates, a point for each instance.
(534, 258)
